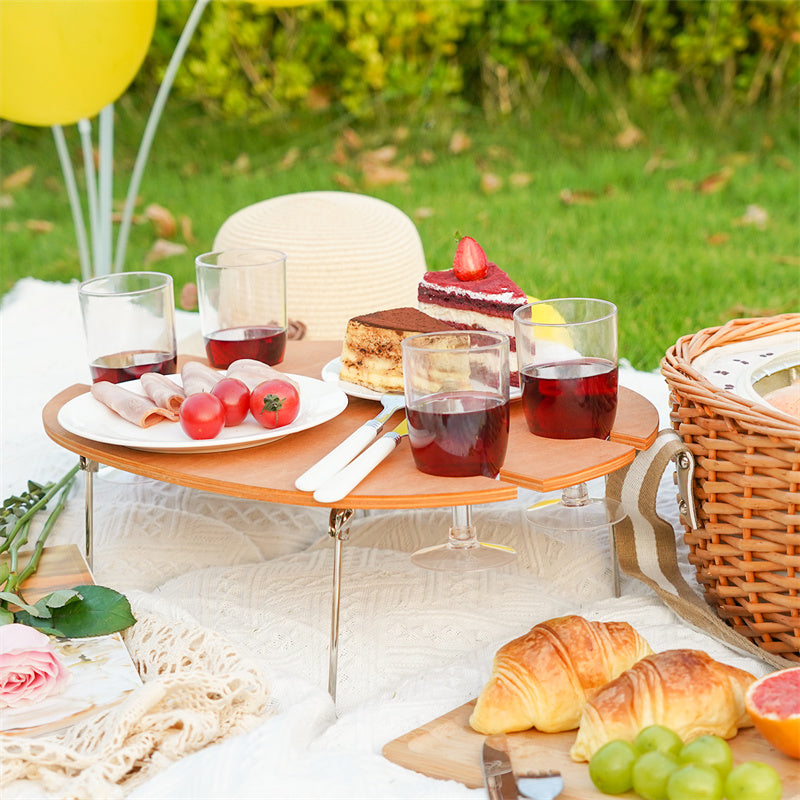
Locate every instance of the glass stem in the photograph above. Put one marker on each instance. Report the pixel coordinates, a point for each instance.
(462, 531)
(575, 496)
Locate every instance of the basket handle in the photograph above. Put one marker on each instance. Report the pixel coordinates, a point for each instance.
(646, 545)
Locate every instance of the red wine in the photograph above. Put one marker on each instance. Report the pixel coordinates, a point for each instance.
(570, 400)
(265, 344)
(457, 435)
(130, 365)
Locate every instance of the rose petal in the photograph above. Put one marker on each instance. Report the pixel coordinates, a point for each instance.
(21, 637)
(30, 670)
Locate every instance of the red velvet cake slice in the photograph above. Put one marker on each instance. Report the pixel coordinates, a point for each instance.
(486, 302)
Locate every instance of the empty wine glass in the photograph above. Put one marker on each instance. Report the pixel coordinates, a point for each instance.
(567, 353)
(457, 407)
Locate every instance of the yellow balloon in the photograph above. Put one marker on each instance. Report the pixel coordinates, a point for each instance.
(65, 60)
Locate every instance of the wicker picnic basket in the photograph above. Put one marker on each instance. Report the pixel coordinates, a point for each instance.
(746, 551)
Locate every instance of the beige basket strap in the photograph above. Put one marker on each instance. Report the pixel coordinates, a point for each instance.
(647, 550)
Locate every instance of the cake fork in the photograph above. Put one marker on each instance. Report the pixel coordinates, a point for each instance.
(344, 453)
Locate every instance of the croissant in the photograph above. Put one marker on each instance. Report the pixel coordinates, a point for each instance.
(686, 690)
(542, 679)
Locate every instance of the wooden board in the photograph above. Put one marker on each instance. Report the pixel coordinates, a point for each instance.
(448, 749)
(102, 672)
(60, 567)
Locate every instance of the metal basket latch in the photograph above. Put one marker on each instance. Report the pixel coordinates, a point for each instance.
(684, 467)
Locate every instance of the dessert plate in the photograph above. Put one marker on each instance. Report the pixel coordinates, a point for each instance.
(330, 374)
(87, 417)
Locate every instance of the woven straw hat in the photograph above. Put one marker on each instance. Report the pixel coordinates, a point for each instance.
(347, 254)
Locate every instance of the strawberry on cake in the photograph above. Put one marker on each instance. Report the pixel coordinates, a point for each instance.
(474, 294)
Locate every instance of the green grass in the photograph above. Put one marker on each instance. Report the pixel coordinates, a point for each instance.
(675, 259)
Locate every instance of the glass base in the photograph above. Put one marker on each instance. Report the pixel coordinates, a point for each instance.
(450, 558)
(590, 515)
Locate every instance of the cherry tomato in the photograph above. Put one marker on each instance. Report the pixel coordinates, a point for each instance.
(202, 415)
(275, 403)
(235, 397)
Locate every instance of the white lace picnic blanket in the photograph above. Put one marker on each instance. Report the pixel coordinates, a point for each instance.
(414, 644)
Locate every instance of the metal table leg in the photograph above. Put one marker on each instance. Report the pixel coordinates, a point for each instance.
(89, 468)
(339, 529)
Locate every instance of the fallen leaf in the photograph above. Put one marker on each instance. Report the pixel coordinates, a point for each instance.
(424, 212)
(519, 180)
(738, 159)
(188, 298)
(187, 231)
(352, 139)
(339, 155)
(290, 157)
(629, 138)
(380, 175)
(426, 157)
(383, 155)
(716, 239)
(715, 182)
(16, 180)
(781, 162)
(680, 185)
(239, 166)
(459, 142)
(318, 98)
(491, 183)
(162, 219)
(570, 198)
(753, 215)
(343, 180)
(162, 249)
(401, 133)
(39, 225)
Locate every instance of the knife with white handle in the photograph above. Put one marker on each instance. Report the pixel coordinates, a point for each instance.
(343, 482)
(341, 455)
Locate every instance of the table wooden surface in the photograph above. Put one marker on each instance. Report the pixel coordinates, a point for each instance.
(267, 472)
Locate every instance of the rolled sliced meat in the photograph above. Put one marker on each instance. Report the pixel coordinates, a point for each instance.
(251, 373)
(135, 408)
(165, 393)
(198, 377)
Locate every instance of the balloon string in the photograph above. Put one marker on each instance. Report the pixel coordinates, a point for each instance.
(85, 130)
(74, 200)
(103, 257)
(150, 130)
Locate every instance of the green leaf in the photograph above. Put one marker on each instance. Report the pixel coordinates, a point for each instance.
(18, 601)
(100, 611)
(61, 598)
(6, 617)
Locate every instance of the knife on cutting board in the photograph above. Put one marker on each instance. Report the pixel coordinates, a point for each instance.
(344, 481)
(500, 781)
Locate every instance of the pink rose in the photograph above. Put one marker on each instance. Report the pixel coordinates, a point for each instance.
(29, 669)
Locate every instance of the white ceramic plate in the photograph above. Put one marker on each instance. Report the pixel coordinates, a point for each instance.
(330, 374)
(87, 417)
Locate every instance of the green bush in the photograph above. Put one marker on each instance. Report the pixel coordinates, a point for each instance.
(254, 61)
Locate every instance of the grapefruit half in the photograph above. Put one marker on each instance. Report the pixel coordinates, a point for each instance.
(773, 703)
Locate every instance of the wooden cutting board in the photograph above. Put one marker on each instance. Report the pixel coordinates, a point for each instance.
(448, 749)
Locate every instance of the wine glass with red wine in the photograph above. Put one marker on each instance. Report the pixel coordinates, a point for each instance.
(242, 299)
(457, 408)
(567, 354)
(129, 323)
